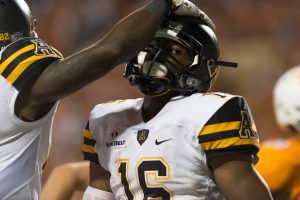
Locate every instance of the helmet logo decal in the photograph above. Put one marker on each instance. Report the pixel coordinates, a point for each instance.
(213, 72)
(246, 131)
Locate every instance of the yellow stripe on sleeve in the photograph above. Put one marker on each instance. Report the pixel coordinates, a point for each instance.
(14, 56)
(225, 126)
(88, 149)
(88, 134)
(14, 75)
(220, 144)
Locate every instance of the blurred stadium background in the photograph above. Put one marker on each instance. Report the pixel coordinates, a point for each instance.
(261, 35)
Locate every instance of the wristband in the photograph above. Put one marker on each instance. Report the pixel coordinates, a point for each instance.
(96, 194)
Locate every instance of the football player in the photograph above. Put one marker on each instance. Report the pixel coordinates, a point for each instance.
(179, 141)
(34, 76)
(279, 158)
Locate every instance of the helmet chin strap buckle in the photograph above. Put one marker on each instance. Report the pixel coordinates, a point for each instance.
(221, 63)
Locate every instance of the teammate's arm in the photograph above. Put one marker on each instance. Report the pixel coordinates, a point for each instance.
(99, 177)
(99, 186)
(63, 77)
(237, 178)
(65, 179)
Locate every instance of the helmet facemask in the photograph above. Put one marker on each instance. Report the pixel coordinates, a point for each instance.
(156, 71)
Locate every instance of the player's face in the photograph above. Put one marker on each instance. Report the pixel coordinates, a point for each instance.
(172, 56)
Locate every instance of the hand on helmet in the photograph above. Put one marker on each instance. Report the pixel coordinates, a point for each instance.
(187, 8)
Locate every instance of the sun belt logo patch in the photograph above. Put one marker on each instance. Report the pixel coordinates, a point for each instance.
(115, 143)
(142, 136)
(246, 130)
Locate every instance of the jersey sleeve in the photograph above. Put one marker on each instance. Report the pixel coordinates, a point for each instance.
(88, 149)
(230, 130)
(26, 58)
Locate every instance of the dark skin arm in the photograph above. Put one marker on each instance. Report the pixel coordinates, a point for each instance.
(61, 78)
(99, 177)
(237, 178)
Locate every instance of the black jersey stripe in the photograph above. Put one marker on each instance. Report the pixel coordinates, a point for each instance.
(14, 48)
(93, 157)
(89, 142)
(21, 67)
(250, 149)
(228, 143)
(229, 112)
(220, 127)
(221, 131)
(31, 71)
(13, 64)
(218, 136)
(87, 127)
(6, 62)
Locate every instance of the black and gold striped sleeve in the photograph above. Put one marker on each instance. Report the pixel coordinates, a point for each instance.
(230, 130)
(88, 148)
(24, 59)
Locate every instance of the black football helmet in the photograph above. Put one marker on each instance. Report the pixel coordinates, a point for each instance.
(198, 76)
(16, 21)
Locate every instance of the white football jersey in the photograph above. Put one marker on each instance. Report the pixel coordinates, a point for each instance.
(24, 146)
(166, 157)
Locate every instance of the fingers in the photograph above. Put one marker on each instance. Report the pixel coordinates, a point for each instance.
(187, 8)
